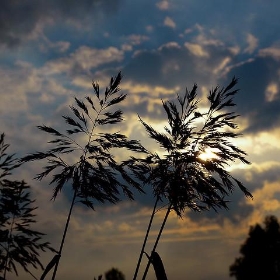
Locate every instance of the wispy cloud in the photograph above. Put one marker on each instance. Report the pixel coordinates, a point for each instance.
(83, 60)
(273, 52)
(169, 22)
(196, 49)
(252, 44)
(163, 5)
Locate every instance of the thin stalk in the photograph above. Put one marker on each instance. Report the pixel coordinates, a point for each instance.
(9, 243)
(64, 234)
(145, 240)
(157, 240)
(8, 247)
(73, 200)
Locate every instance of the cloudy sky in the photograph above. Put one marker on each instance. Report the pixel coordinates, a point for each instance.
(50, 51)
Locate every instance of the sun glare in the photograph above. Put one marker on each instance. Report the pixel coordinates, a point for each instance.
(208, 154)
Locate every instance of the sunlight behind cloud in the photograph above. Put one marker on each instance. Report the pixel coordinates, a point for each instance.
(209, 154)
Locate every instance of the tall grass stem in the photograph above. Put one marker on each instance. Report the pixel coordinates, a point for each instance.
(64, 234)
(145, 240)
(157, 240)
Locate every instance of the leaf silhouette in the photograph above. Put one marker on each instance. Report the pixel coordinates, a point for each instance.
(20, 243)
(50, 265)
(82, 105)
(158, 266)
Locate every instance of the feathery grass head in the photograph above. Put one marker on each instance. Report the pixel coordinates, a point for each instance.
(95, 173)
(184, 175)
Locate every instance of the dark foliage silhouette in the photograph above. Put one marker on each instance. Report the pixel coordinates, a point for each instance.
(181, 176)
(19, 243)
(94, 175)
(114, 274)
(260, 253)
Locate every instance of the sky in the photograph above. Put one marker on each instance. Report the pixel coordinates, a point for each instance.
(50, 51)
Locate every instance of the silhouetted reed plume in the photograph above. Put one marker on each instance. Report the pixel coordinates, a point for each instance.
(182, 176)
(95, 175)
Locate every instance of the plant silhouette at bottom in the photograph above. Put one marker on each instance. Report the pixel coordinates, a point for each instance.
(260, 253)
(114, 274)
(20, 244)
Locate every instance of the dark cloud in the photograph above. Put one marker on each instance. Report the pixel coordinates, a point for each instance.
(173, 65)
(259, 178)
(234, 19)
(142, 109)
(238, 210)
(252, 102)
(18, 19)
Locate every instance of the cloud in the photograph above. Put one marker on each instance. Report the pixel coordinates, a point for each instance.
(174, 65)
(266, 202)
(272, 92)
(20, 19)
(83, 60)
(136, 39)
(169, 22)
(59, 46)
(266, 199)
(163, 5)
(259, 98)
(252, 44)
(14, 24)
(205, 37)
(196, 49)
(273, 52)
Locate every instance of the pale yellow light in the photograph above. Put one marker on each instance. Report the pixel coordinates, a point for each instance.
(208, 154)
